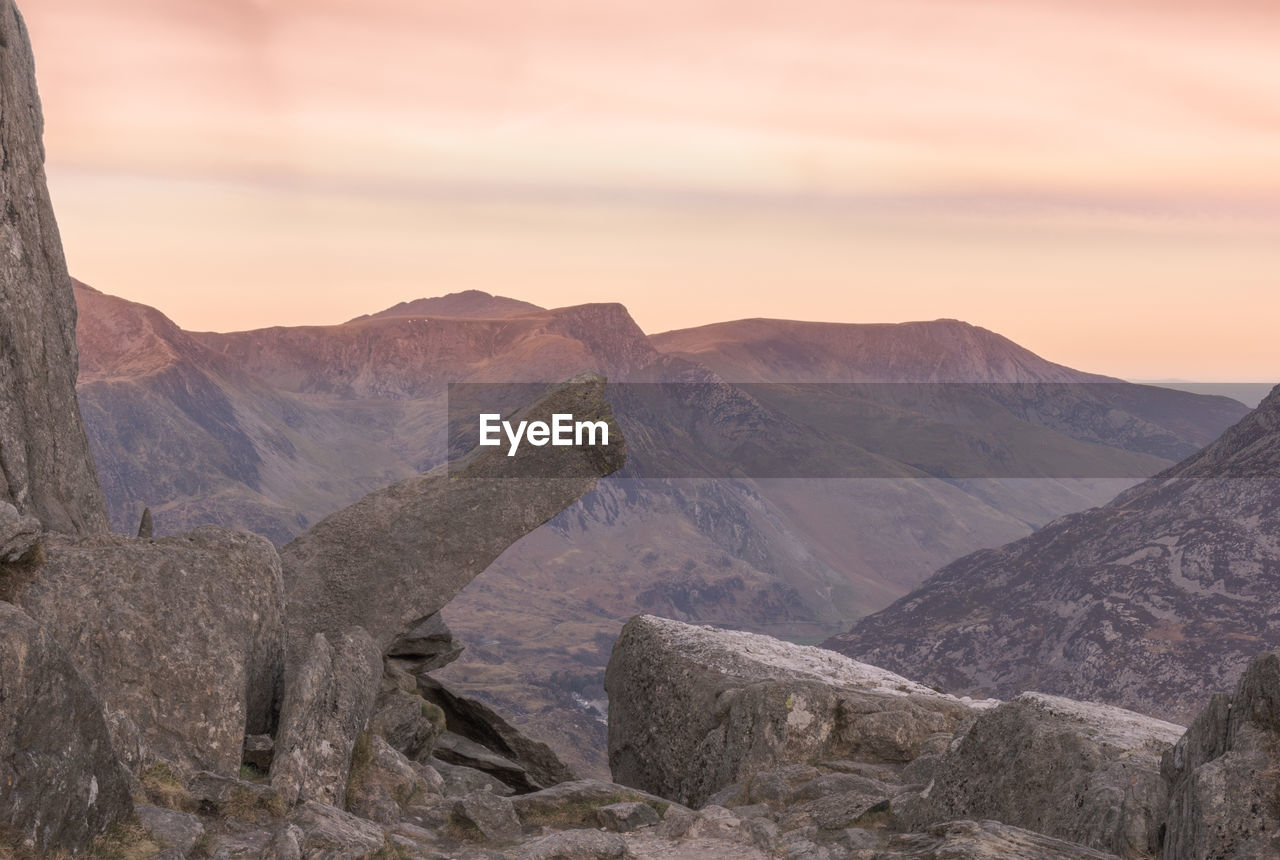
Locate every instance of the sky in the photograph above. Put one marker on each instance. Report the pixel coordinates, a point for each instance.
(1099, 181)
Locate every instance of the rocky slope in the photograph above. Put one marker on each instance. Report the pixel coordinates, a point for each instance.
(1152, 601)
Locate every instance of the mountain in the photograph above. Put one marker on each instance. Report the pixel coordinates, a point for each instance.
(468, 304)
(1152, 601)
(273, 429)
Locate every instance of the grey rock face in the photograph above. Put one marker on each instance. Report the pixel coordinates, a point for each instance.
(573, 804)
(18, 533)
(181, 637)
(984, 840)
(575, 845)
(428, 645)
(694, 709)
(398, 555)
(171, 828)
(46, 470)
(626, 816)
(1077, 771)
(61, 782)
(384, 785)
(326, 707)
(1175, 576)
(478, 737)
(407, 721)
(1224, 774)
(330, 832)
(493, 816)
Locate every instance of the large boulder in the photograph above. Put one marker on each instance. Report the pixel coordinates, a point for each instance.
(984, 840)
(46, 470)
(180, 637)
(1224, 774)
(695, 709)
(324, 712)
(1077, 771)
(60, 783)
(393, 559)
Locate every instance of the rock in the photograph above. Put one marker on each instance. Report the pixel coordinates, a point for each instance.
(18, 533)
(402, 716)
(1222, 774)
(61, 782)
(1077, 771)
(573, 804)
(464, 780)
(493, 817)
(147, 527)
(626, 816)
(398, 555)
(246, 845)
(575, 845)
(182, 636)
(228, 797)
(330, 832)
(383, 784)
(694, 709)
(285, 844)
(327, 706)
(46, 470)
(499, 748)
(834, 811)
(428, 645)
(984, 840)
(258, 752)
(171, 828)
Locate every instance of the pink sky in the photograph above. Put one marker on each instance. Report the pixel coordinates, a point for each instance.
(1098, 180)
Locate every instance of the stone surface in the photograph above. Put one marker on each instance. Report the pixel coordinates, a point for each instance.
(383, 784)
(403, 717)
(464, 780)
(170, 827)
(626, 816)
(573, 804)
(480, 737)
(575, 845)
(180, 636)
(1077, 771)
(242, 800)
(1224, 773)
(61, 782)
(46, 470)
(492, 816)
(258, 751)
(1153, 602)
(983, 840)
(397, 556)
(330, 832)
(428, 645)
(18, 533)
(694, 709)
(326, 707)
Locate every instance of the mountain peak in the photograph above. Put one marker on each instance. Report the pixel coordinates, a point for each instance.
(467, 304)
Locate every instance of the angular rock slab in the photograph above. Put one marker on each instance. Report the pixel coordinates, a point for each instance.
(60, 783)
(181, 637)
(984, 840)
(394, 558)
(695, 709)
(1077, 771)
(327, 706)
(46, 469)
(1224, 774)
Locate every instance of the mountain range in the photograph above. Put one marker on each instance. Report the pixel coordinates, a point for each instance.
(270, 430)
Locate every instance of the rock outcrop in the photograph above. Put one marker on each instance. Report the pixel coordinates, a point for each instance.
(393, 559)
(328, 704)
(60, 783)
(1224, 774)
(1152, 602)
(181, 637)
(694, 709)
(45, 467)
(1077, 771)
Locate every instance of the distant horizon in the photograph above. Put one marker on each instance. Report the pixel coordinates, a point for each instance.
(1096, 181)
